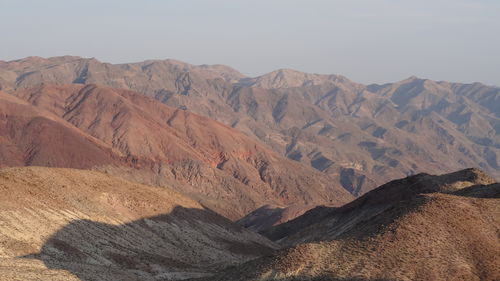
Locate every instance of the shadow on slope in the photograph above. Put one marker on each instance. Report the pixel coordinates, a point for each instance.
(384, 198)
(268, 216)
(185, 243)
(433, 236)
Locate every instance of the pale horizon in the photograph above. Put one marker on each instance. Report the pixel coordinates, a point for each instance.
(261, 74)
(366, 41)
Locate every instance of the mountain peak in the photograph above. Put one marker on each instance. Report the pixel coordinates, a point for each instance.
(412, 78)
(290, 78)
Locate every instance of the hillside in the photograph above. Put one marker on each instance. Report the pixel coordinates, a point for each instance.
(361, 135)
(127, 134)
(419, 228)
(316, 225)
(64, 224)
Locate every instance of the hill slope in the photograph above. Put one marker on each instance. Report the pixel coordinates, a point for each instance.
(98, 227)
(309, 227)
(420, 228)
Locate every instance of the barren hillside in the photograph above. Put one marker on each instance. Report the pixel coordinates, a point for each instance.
(63, 224)
(420, 228)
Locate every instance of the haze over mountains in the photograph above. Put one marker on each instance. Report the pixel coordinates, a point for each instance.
(362, 135)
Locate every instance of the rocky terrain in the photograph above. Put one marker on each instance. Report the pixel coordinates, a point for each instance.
(64, 224)
(362, 135)
(162, 170)
(138, 138)
(419, 228)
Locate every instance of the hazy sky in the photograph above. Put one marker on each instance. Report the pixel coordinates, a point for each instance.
(365, 40)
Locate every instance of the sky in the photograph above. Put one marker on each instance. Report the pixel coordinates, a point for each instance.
(368, 41)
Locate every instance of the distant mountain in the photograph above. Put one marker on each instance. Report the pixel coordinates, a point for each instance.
(64, 224)
(419, 228)
(127, 134)
(361, 135)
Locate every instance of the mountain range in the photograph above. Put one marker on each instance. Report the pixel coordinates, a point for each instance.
(362, 135)
(163, 170)
(127, 134)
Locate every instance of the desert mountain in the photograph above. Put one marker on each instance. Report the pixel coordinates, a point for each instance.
(419, 228)
(130, 135)
(64, 224)
(361, 135)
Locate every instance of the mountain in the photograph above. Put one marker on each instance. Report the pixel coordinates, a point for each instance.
(422, 227)
(138, 138)
(64, 224)
(361, 135)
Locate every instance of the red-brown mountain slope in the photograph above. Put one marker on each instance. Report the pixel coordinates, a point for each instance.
(30, 136)
(128, 134)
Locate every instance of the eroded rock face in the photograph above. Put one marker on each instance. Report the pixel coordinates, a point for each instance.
(63, 224)
(382, 132)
